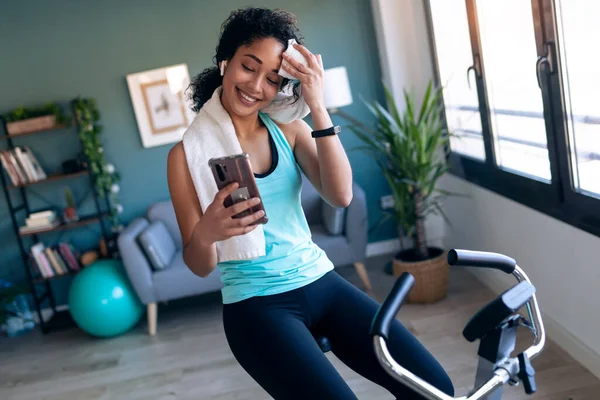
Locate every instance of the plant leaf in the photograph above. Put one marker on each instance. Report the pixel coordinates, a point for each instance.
(443, 214)
(392, 104)
(409, 150)
(425, 104)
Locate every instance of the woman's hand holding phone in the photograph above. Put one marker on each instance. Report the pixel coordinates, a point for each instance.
(218, 223)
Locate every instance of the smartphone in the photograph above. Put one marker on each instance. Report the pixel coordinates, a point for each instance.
(237, 168)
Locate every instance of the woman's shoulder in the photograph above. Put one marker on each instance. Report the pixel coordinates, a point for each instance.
(176, 161)
(292, 129)
(176, 153)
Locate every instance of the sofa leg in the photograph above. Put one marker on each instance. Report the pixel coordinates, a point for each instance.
(151, 314)
(364, 277)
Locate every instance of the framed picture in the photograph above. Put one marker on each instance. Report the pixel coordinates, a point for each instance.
(162, 110)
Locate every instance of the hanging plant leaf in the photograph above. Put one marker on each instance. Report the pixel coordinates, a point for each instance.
(87, 116)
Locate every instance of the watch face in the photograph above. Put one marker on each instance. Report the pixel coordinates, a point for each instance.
(337, 129)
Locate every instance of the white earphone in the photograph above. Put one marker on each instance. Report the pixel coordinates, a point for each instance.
(223, 65)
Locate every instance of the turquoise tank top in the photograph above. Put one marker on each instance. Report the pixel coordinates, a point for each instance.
(292, 259)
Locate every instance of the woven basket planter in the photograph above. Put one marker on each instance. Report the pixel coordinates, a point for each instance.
(431, 276)
(31, 125)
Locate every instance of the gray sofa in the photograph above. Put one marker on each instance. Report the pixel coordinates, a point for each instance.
(151, 248)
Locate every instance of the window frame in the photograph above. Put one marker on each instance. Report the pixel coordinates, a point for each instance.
(557, 199)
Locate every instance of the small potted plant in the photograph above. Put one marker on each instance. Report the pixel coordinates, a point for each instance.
(410, 148)
(23, 120)
(70, 212)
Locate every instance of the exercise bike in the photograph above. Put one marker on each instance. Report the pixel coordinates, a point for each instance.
(495, 325)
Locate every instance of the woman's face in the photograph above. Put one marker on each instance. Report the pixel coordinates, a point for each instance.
(251, 81)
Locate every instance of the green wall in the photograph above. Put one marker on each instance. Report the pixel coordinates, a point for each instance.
(55, 51)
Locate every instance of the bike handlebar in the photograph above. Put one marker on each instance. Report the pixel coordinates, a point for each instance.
(388, 310)
(482, 259)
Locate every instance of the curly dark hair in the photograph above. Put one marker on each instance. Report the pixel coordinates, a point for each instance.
(242, 27)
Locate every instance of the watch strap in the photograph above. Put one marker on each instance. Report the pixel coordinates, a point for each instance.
(334, 130)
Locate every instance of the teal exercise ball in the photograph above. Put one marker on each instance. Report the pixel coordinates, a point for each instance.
(102, 301)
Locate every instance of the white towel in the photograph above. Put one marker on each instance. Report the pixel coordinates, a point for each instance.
(285, 108)
(211, 134)
(296, 55)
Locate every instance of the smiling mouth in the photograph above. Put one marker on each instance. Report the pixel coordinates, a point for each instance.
(245, 98)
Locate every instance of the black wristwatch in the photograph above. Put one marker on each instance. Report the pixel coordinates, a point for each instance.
(334, 130)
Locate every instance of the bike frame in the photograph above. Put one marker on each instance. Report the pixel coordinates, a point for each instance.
(491, 376)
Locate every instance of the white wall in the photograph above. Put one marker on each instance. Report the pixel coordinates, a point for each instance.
(562, 261)
(404, 51)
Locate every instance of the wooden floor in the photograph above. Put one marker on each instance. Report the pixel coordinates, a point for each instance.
(189, 357)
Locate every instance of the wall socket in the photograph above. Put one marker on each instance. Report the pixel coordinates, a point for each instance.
(387, 202)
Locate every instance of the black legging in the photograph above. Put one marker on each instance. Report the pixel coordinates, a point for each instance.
(273, 339)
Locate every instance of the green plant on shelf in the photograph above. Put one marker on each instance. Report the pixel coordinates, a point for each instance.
(70, 212)
(22, 113)
(69, 197)
(105, 176)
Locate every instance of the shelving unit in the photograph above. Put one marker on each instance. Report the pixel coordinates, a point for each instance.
(8, 137)
(52, 177)
(40, 287)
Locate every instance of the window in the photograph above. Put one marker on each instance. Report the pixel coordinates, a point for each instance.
(454, 59)
(522, 96)
(515, 101)
(577, 27)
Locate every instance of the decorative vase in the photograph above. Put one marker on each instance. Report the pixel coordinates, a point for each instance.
(70, 214)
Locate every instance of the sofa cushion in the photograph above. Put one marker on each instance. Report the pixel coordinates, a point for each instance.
(165, 212)
(178, 281)
(332, 218)
(157, 244)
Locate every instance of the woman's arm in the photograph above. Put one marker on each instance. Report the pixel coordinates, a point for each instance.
(323, 159)
(199, 255)
(324, 163)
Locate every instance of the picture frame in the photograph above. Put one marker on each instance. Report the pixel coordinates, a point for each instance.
(161, 107)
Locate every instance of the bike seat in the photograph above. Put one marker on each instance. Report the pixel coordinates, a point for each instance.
(496, 311)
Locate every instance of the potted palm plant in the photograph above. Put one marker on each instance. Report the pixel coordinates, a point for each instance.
(410, 148)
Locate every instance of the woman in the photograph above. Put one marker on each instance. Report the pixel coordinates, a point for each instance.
(276, 304)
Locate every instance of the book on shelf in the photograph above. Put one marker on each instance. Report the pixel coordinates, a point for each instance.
(70, 255)
(9, 162)
(41, 220)
(21, 165)
(55, 265)
(31, 229)
(42, 214)
(9, 167)
(41, 262)
(38, 171)
(51, 261)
